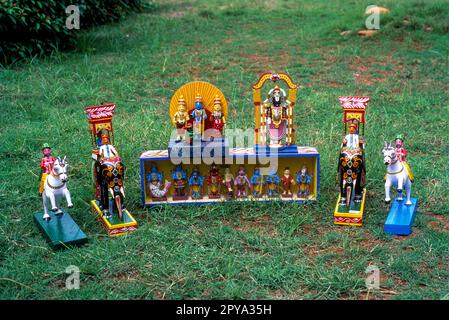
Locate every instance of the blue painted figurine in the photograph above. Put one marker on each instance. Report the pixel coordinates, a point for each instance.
(198, 115)
(196, 181)
(179, 177)
(272, 181)
(257, 183)
(303, 179)
(154, 179)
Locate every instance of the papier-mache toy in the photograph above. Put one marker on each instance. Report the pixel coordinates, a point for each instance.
(351, 163)
(108, 173)
(55, 223)
(399, 175)
(199, 114)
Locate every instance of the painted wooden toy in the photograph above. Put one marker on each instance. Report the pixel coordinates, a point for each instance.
(217, 116)
(242, 183)
(179, 181)
(274, 115)
(207, 109)
(303, 179)
(228, 182)
(108, 173)
(225, 168)
(272, 182)
(198, 116)
(287, 181)
(257, 183)
(46, 165)
(55, 187)
(398, 175)
(205, 105)
(181, 118)
(157, 190)
(56, 225)
(351, 163)
(402, 213)
(196, 181)
(214, 180)
(402, 154)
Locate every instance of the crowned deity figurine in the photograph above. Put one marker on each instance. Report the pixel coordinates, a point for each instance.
(196, 181)
(181, 118)
(257, 183)
(198, 115)
(179, 177)
(217, 116)
(214, 180)
(47, 162)
(272, 182)
(276, 116)
(157, 191)
(303, 179)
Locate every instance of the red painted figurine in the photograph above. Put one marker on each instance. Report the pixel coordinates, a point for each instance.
(400, 150)
(217, 115)
(47, 162)
(287, 181)
(214, 181)
(241, 182)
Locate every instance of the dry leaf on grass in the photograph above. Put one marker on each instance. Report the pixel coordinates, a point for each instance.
(346, 33)
(366, 33)
(376, 9)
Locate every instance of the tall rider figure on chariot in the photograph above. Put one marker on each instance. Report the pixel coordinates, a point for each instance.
(106, 153)
(352, 142)
(107, 150)
(352, 139)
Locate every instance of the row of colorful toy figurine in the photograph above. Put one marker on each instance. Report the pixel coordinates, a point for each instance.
(54, 178)
(239, 186)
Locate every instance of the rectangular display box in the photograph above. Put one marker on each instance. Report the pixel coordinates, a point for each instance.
(237, 157)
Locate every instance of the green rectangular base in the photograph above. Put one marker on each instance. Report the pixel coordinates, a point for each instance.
(61, 231)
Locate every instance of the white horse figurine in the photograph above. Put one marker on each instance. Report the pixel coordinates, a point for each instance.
(397, 175)
(55, 187)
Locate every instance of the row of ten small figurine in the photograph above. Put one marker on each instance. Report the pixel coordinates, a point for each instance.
(239, 186)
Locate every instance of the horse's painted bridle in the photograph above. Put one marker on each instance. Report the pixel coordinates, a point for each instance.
(394, 158)
(61, 163)
(392, 155)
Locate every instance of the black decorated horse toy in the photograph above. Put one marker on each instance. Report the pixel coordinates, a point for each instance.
(351, 175)
(110, 176)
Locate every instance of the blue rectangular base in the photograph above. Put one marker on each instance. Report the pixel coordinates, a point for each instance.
(292, 148)
(218, 147)
(237, 157)
(401, 217)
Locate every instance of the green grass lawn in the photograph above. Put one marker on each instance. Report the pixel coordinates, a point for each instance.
(234, 250)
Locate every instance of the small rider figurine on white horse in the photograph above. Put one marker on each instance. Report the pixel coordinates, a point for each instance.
(55, 187)
(398, 174)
